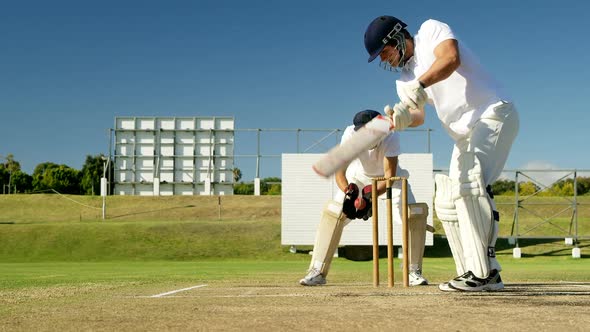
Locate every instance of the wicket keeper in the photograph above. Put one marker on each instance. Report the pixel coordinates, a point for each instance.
(353, 201)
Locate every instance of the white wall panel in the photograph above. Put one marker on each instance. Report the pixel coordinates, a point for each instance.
(304, 194)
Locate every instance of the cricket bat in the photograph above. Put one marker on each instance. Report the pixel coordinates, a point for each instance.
(361, 140)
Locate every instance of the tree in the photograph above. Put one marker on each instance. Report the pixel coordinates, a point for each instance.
(39, 174)
(583, 185)
(22, 181)
(237, 174)
(527, 188)
(502, 187)
(91, 173)
(61, 178)
(270, 186)
(7, 170)
(244, 188)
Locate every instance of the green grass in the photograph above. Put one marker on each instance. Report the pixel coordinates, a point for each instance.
(54, 274)
(182, 228)
(172, 240)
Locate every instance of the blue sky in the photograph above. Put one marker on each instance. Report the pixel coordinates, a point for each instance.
(68, 68)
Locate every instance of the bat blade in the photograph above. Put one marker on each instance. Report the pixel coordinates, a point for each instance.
(361, 140)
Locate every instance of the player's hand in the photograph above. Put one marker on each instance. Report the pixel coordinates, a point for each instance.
(350, 196)
(400, 114)
(364, 203)
(412, 94)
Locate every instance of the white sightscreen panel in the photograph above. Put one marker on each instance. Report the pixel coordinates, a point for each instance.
(188, 123)
(186, 150)
(123, 163)
(167, 138)
(167, 150)
(203, 150)
(185, 138)
(124, 189)
(166, 123)
(145, 150)
(202, 176)
(166, 190)
(225, 124)
(125, 123)
(223, 189)
(166, 176)
(304, 194)
(124, 150)
(145, 138)
(205, 123)
(145, 176)
(144, 190)
(167, 163)
(125, 137)
(185, 190)
(203, 138)
(187, 176)
(149, 123)
(145, 163)
(124, 176)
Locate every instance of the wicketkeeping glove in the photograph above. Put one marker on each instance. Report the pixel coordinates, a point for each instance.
(348, 208)
(364, 203)
(400, 114)
(412, 94)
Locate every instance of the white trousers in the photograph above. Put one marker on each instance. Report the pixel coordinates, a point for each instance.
(490, 142)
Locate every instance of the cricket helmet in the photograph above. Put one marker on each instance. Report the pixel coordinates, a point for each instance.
(382, 31)
(363, 117)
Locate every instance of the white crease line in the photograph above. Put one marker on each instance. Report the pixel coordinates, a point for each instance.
(177, 291)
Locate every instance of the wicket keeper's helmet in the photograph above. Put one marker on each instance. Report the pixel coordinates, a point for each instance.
(380, 32)
(363, 117)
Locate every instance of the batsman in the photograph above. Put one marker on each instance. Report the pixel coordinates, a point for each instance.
(439, 69)
(353, 201)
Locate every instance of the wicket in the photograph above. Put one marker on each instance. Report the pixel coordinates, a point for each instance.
(404, 210)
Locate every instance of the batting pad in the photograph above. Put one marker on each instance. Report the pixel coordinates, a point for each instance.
(417, 221)
(474, 211)
(327, 237)
(447, 214)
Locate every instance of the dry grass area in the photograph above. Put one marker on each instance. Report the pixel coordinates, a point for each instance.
(271, 306)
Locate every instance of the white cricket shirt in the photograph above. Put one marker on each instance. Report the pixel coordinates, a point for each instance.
(462, 98)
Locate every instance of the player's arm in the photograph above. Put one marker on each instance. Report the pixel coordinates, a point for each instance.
(447, 61)
(341, 180)
(389, 168)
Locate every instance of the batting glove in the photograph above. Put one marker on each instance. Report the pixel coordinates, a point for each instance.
(400, 114)
(412, 94)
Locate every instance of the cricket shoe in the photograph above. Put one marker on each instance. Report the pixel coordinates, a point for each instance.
(313, 278)
(470, 283)
(445, 287)
(416, 278)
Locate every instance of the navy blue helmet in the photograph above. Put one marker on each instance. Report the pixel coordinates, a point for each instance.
(380, 32)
